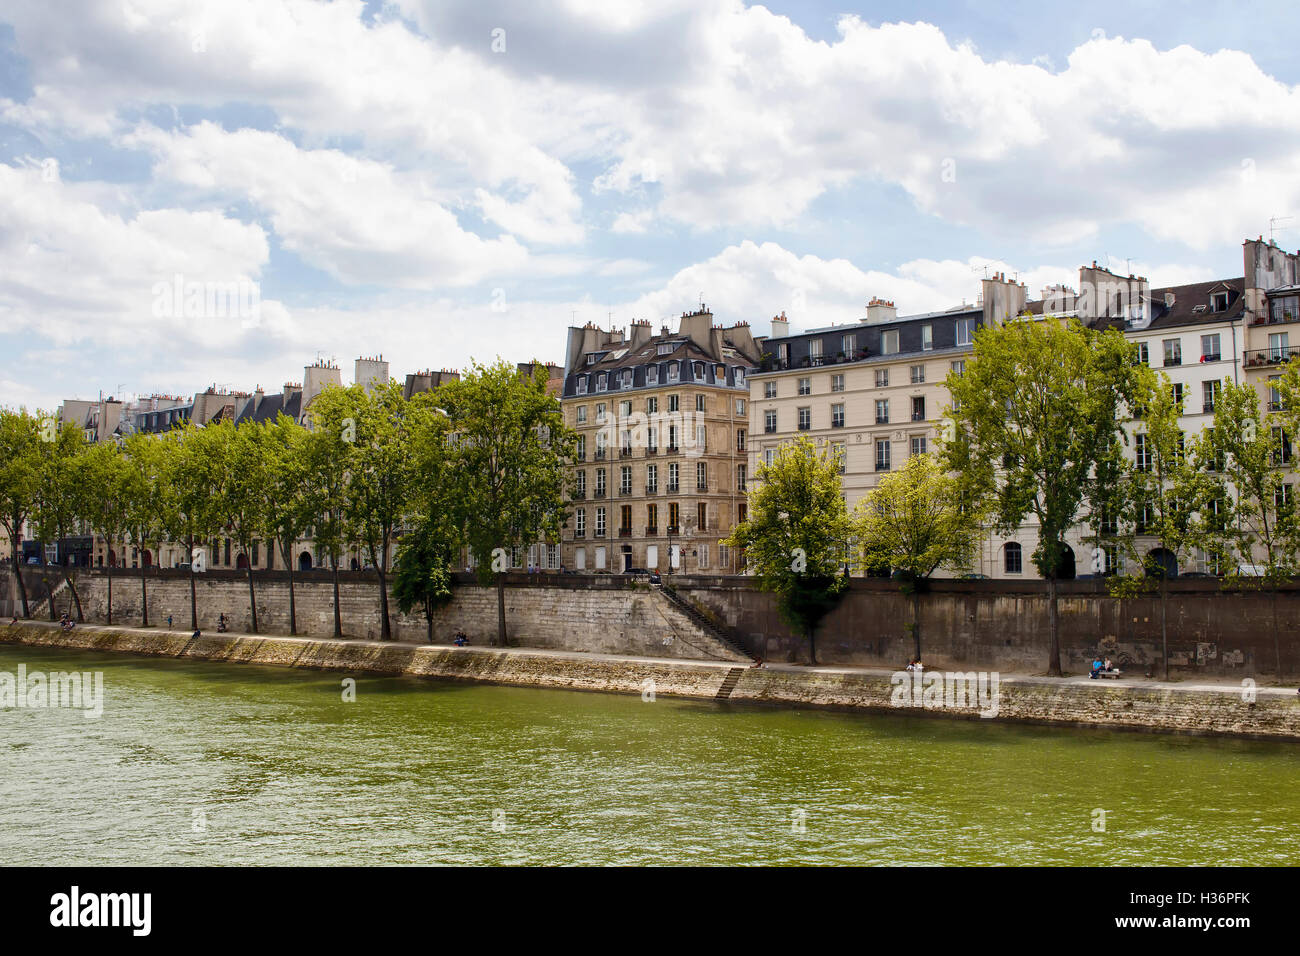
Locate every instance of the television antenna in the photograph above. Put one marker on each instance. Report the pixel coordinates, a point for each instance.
(1272, 225)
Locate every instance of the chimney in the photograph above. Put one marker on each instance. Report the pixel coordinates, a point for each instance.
(1001, 299)
(780, 325)
(1169, 300)
(880, 310)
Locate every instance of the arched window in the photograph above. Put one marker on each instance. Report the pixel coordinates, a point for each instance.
(1011, 556)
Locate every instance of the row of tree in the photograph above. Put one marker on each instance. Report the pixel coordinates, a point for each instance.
(478, 464)
(1062, 425)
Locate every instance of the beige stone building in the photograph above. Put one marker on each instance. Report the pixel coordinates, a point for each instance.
(663, 432)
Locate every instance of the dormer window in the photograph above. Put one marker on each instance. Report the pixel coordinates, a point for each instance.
(600, 382)
(1219, 302)
(740, 378)
(591, 358)
(697, 369)
(582, 385)
(672, 372)
(665, 348)
(627, 378)
(652, 375)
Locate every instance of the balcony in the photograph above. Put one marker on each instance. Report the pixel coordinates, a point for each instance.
(625, 532)
(580, 495)
(600, 454)
(882, 421)
(652, 489)
(674, 529)
(580, 534)
(673, 449)
(600, 532)
(1270, 356)
(600, 493)
(701, 488)
(625, 453)
(624, 492)
(837, 424)
(651, 530)
(673, 488)
(918, 416)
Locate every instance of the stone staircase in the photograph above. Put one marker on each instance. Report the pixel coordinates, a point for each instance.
(40, 606)
(701, 621)
(729, 683)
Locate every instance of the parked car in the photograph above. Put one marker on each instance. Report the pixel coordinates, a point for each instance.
(655, 578)
(33, 560)
(636, 571)
(972, 576)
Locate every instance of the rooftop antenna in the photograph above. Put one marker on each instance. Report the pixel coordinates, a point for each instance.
(1272, 225)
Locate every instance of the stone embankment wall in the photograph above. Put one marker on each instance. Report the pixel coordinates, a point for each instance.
(1265, 713)
(987, 625)
(1003, 625)
(615, 616)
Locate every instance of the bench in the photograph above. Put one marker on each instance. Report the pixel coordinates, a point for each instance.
(1110, 673)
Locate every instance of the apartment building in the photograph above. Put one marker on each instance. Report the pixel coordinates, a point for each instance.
(663, 456)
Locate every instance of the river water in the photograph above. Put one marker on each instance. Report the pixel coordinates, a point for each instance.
(196, 762)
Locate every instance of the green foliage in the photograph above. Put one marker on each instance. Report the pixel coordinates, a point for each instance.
(796, 534)
(915, 521)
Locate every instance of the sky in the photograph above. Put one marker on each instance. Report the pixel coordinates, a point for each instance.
(440, 181)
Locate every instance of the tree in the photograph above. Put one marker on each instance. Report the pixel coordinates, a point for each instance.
(1164, 494)
(377, 485)
(286, 505)
(1249, 449)
(147, 497)
(916, 522)
(60, 500)
(326, 453)
(191, 503)
(430, 543)
(240, 471)
(1037, 414)
(796, 533)
(105, 475)
(20, 442)
(510, 457)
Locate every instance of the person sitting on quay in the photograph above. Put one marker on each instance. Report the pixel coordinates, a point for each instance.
(1096, 669)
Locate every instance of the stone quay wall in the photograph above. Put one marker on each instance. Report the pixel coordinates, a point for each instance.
(1266, 713)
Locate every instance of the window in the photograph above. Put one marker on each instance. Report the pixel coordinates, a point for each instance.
(1173, 351)
(1279, 346)
(740, 377)
(699, 403)
(769, 455)
(918, 408)
(1144, 353)
(672, 439)
(882, 411)
(1209, 395)
(740, 439)
(652, 480)
(918, 374)
(625, 480)
(652, 439)
(580, 485)
(1219, 302)
(740, 407)
(626, 376)
(741, 477)
(582, 414)
(582, 385)
(1274, 396)
(1178, 396)
(1282, 499)
(805, 419)
(1283, 454)
(652, 375)
(837, 416)
(769, 389)
(927, 337)
(625, 409)
(674, 485)
(600, 522)
(625, 520)
(815, 351)
(652, 406)
(965, 329)
(651, 519)
(674, 517)
(958, 367)
(601, 441)
(600, 381)
(600, 413)
(882, 378)
(918, 445)
(1142, 452)
(1210, 348)
(783, 353)
(1011, 558)
(701, 516)
(664, 348)
(701, 476)
(889, 342)
(674, 373)
(742, 512)
(882, 454)
(849, 344)
(837, 383)
(580, 448)
(805, 386)
(600, 482)
(841, 455)
(769, 421)
(580, 523)
(697, 371)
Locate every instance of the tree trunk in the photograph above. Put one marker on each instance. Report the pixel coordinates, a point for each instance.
(1277, 640)
(293, 604)
(194, 596)
(916, 622)
(428, 616)
(501, 609)
(338, 618)
(812, 645)
(385, 628)
(18, 573)
(252, 594)
(76, 598)
(110, 594)
(1054, 626)
(1164, 620)
(144, 592)
(49, 592)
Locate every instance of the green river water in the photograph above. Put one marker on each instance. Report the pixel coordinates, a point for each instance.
(233, 764)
